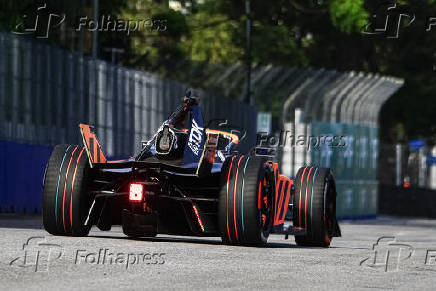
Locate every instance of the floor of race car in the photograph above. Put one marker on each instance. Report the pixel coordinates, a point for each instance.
(33, 260)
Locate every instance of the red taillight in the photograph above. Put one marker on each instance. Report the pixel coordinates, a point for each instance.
(136, 192)
(198, 217)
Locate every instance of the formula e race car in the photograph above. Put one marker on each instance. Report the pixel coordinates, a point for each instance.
(187, 180)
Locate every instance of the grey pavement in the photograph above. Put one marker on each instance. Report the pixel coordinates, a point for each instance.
(404, 259)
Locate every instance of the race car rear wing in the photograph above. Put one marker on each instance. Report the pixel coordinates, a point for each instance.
(92, 146)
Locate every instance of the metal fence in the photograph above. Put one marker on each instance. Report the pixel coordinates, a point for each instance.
(45, 92)
(344, 106)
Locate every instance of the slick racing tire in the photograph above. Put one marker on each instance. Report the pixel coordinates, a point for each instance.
(66, 200)
(314, 206)
(245, 203)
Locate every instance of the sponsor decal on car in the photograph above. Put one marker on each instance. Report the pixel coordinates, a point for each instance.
(195, 138)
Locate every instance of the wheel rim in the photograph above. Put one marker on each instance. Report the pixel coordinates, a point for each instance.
(266, 205)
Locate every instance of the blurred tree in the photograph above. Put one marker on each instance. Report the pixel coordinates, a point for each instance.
(211, 39)
(158, 39)
(318, 33)
(328, 34)
(25, 11)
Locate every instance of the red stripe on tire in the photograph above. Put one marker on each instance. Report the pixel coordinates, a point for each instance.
(258, 195)
(72, 189)
(227, 200)
(65, 189)
(234, 199)
(305, 199)
(299, 201)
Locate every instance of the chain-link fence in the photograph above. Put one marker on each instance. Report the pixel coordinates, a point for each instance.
(45, 92)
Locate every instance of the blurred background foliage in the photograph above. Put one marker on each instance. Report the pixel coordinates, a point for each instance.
(304, 33)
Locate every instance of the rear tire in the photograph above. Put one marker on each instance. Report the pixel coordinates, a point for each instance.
(246, 182)
(315, 206)
(66, 200)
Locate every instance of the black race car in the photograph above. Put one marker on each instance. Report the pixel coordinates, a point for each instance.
(187, 180)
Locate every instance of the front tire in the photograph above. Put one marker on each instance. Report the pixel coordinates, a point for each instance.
(245, 203)
(66, 200)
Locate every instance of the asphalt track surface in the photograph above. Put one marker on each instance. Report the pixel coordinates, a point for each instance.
(168, 262)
